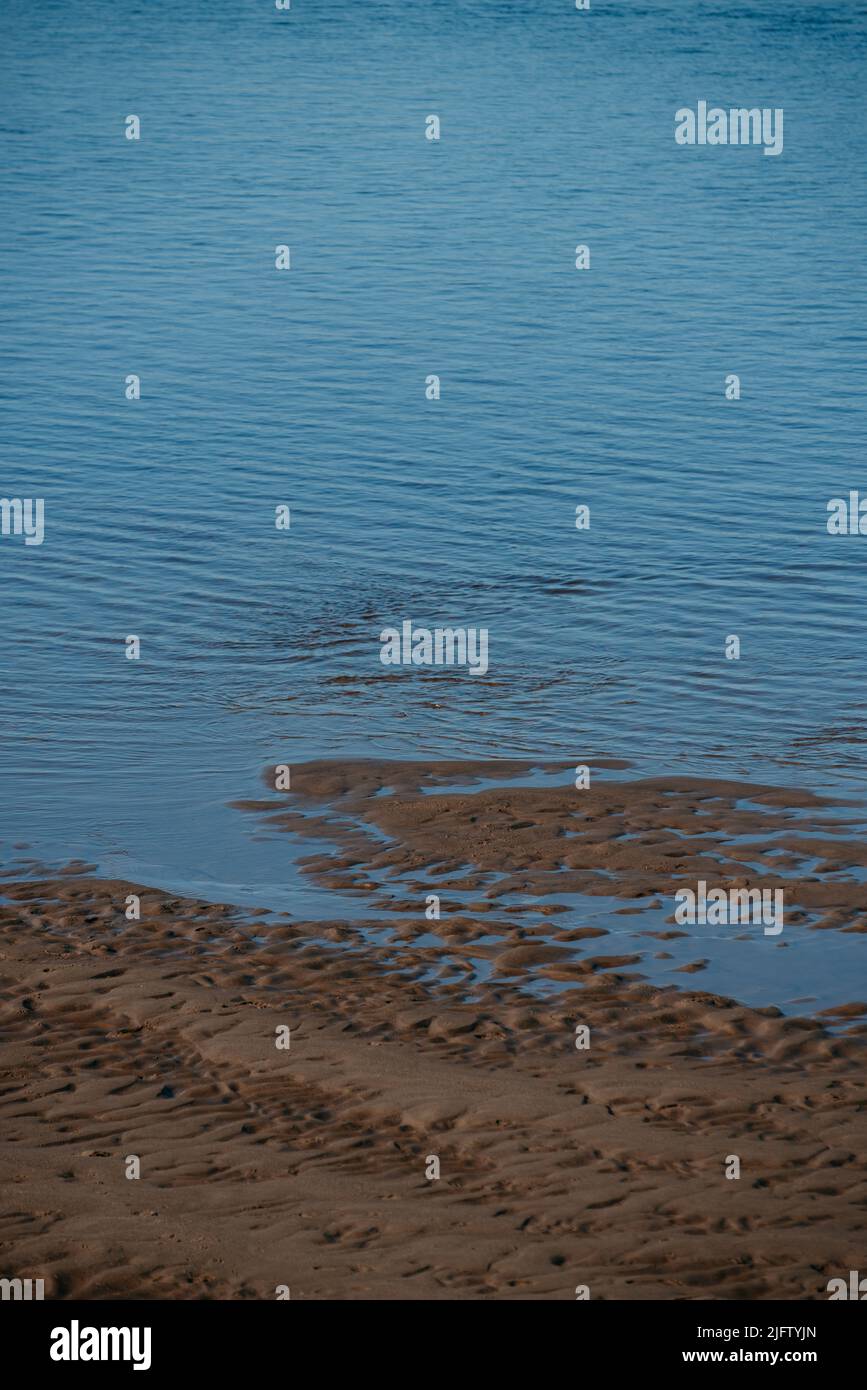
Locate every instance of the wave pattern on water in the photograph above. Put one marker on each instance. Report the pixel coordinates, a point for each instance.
(410, 258)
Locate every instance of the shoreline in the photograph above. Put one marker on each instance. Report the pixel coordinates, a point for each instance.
(545, 865)
(305, 1167)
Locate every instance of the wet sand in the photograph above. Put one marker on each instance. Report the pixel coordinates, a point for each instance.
(603, 1167)
(637, 840)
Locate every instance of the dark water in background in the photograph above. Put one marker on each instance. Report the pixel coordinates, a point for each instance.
(307, 388)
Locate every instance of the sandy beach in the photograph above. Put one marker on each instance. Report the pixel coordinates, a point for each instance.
(305, 1167)
(432, 716)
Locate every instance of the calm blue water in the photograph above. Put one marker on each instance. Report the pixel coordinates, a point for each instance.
(307, 388)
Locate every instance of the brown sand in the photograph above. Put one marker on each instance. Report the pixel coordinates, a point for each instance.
(559, 1167)
(635, 840)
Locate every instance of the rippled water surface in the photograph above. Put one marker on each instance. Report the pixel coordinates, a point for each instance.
(307, 388)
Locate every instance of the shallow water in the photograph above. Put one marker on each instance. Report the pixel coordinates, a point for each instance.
(307, 388)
